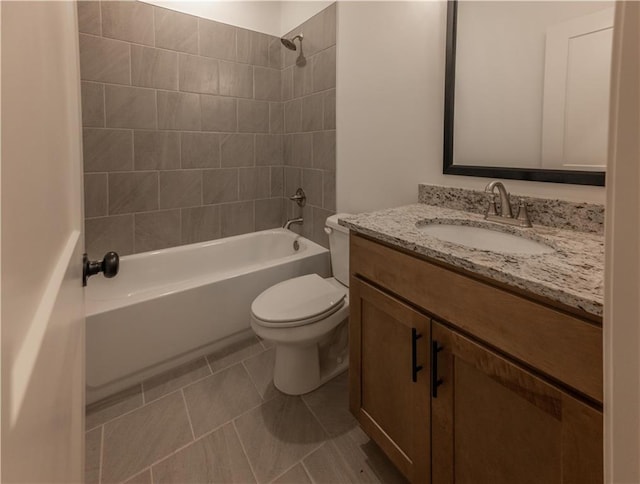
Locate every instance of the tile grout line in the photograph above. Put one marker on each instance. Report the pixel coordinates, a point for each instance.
(101, 454)
(186, 407)
(306, 471)
(244, 451)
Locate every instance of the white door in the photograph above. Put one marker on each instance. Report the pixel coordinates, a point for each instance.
(41, 251)
(575, 116)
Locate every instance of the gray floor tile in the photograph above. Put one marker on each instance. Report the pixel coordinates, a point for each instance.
(138, 439)
(296, 475)
(330, 404)
(219, 398)
(260, 368)
(143, 477)
(93, 444)
(174, 379)
(362, 455)
(113, 406)
(234, 353)
(216, 458)
(325, 466)
(278, 434)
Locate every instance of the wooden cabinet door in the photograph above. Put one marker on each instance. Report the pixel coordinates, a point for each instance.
(389, 376)
(495, 422)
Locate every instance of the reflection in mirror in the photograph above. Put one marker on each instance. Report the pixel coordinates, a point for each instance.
(531, 86)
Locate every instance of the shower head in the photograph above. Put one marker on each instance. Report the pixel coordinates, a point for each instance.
(289, 43)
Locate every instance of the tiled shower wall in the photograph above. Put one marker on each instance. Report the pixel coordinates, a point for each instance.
(183, 120)
(309, 96)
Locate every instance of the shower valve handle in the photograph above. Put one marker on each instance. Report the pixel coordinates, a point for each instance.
(109, 266)
(299, 197)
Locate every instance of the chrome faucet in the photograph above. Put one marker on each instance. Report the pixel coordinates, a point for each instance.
(506, 214)
(292, 221)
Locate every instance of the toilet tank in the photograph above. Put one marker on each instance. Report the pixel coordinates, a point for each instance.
(339, 247)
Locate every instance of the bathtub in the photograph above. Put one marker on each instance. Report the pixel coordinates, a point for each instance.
(170, 306)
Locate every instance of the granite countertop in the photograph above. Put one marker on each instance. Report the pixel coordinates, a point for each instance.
(572, 275)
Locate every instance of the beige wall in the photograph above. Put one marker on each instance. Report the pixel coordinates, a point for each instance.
(390, 88)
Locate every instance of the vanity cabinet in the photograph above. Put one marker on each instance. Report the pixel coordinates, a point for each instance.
(508, 387)
(389, 376)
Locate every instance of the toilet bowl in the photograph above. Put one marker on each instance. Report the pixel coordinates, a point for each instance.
(307, 319)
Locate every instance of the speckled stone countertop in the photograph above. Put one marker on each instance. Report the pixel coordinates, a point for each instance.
(572, 275)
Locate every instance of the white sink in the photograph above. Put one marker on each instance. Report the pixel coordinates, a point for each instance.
(485, 239)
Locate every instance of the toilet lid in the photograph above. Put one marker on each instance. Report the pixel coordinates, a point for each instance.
(297, 299)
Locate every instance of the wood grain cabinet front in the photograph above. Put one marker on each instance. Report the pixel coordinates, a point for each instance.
(389, 376)
(494, 422)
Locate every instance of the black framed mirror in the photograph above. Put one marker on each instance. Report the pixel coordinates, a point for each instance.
(453, 165)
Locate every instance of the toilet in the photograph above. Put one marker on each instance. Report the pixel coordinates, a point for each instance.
(307, 319)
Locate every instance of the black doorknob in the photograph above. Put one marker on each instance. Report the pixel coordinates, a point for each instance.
(109, 266)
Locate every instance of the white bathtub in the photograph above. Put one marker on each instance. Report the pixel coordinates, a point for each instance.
(169, 306)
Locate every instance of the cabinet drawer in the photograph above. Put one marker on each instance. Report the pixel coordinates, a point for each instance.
(564, 347)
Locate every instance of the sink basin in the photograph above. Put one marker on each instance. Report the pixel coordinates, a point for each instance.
(485, 239)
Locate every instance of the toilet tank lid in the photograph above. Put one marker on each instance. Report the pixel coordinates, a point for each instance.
(332, 222)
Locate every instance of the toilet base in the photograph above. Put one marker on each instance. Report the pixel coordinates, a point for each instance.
(302, 369)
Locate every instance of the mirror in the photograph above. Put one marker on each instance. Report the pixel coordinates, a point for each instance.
(527, 90)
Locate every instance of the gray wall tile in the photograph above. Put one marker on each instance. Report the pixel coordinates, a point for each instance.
(154, 68)
(108, 233)
(237, 150)
(198, 74)
(107, 150)
(236, 219)
(128, 20)
(313, 112)
(182, 188)
(254, 183)
(178, 110)
(140, 438)
(92, 104)
(156, 150)
(287, 84)
(253, 47)
(275, 53)
(267, 84)
(330, 109)
(200, 150)
(219, 113)
(302, 80)
(130, 107)
(324, 150)
(104, 60)
(268, 213)
(176, 31)
(253, 116)
(277, 181)
(200, 224)
(276, 118)
(293, 116)
(298, 149)
(312, 186)
(269, 149)
(157, 230)
(133, 192)
(89, 17)
(329, 190)
(292, 180)
(95, 195)
(217, 40)
(236, 79)
(324, 70)
(219, 186)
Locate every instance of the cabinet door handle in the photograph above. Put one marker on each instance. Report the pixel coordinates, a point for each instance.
(435, 381)
(415, 368)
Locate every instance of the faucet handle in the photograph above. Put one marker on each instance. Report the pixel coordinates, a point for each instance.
(491, 208)
(523, 214)
(299, 197)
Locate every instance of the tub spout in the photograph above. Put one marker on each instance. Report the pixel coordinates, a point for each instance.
(289, 223)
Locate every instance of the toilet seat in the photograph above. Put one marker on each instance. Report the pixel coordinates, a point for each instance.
(298, 302)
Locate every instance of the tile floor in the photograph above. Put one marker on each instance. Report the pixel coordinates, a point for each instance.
(219, 419)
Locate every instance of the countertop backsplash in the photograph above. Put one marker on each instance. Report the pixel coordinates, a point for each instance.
(562, 214)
